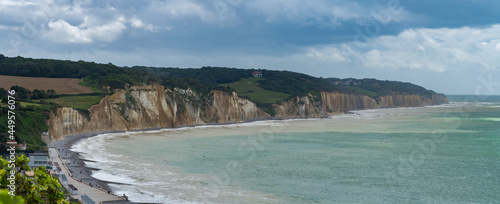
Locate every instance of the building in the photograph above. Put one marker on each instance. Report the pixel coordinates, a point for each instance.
(86, 199)
(257, 74)
(22, 146)
(73, 189)
(10, 143)
(64, 180)
(38, 159)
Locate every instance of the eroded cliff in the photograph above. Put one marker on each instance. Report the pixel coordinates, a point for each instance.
(156, 107)
(153, 107)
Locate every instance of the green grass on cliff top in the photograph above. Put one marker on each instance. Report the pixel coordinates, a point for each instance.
(77, 102)
(249, 88)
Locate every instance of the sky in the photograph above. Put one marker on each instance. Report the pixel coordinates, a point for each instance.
(449, 46)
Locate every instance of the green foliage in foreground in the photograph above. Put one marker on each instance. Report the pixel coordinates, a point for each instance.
(249, 88)
(6, 198)
(42, 188)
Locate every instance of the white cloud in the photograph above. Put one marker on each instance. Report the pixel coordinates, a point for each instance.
(325, 12)
(16, 3)
(331, 53)
(87, 32)
(10, 28)
(78, 21)
(437, 50)
(184, 8)
(138, 23)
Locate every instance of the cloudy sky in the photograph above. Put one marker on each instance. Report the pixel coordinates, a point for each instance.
(450, 46)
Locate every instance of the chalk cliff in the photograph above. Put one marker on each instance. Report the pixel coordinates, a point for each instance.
(336, 103)
(156, 107)
(153, 107)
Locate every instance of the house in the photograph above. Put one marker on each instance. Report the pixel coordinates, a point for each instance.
(37, 159)
(257, 74)
(10, 143)
(87, 200)
(73, 189)
(337, 82)
(22, 146)
(64, 180)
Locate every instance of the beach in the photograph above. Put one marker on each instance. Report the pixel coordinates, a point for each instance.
(306, 160)
(82, 172)
(334, 159)
(75, 163)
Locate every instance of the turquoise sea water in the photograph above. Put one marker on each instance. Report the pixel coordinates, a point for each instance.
(441, 154)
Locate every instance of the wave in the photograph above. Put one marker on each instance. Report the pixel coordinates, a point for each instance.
(477, 119)
(492, 119)
(112, 177)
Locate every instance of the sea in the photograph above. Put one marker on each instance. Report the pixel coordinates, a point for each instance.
(436, 154)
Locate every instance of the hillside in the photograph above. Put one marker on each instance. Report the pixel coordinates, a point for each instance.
(205, 79)
(145, 97)
(249, 88)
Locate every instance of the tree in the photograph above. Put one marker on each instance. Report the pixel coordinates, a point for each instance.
(20, 91)
(36, 94)
(51, 93)
(5, 198)
(2, 92)
(41, 189)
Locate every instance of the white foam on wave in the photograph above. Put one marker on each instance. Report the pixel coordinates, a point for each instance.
(137, 194)
(112, 177)
(92, 148)
(492, 119)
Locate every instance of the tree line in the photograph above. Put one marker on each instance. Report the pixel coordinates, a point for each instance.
(23, 93)
(104, 76)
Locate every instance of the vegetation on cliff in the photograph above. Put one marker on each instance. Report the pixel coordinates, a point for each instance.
(249, 88)
(30, 123)
(205, 79)
(270, 89)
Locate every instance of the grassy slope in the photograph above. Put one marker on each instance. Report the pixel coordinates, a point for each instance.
(248, 88)
(358, 90)
(29, 126)
(26, 104)
(77, 102)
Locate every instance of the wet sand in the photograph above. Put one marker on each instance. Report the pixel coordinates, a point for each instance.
(75, 162)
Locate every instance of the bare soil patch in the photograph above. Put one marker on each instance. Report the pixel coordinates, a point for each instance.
(60, 85)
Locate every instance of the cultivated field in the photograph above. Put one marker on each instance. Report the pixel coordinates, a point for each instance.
(60, 85)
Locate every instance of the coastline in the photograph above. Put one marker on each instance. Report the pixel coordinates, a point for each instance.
(77, 161)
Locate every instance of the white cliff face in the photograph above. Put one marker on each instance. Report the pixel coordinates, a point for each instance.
(156, 107)
(153, 107)
(337, 103)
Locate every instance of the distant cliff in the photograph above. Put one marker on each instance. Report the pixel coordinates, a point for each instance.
(335, 103)
(156, 107)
